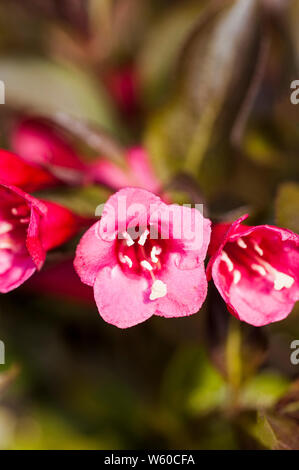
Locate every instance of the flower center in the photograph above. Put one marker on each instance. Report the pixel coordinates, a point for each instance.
(13, 227)
(21, 213)
(143, 257)
(249, 253)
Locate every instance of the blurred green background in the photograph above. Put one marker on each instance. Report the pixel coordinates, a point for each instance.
(211, 103)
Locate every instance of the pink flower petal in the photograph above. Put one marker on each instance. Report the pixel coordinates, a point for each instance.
(141, 169)
(190, 229)
(138, 172)
(20, 268)
(120, 299)
(39, 142)
(59, 225)
(106, 172)
(33, 241)
(92, 254)
(15, 171)
(186, 290)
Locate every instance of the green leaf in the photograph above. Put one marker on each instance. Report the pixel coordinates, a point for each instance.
(46, 429)
(47, 87)
(192, 384)
(213, 82)
(218, 62)
(263, 390)
(288, 405)
(287, 206)
(83, 200)
(159, 55)
(275, 432)
(262, 150)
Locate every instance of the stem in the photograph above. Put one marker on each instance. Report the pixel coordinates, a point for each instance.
(233, 359)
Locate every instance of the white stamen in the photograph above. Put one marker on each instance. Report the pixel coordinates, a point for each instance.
(241, 243)
(146, 265)
(227, 260)
(5, 227)
(259, 269)
(258, 249)
(6, 244)
(159, 289)
(283, 280)
(14, 211)
(156, 250)
(237, 276)
(126, 260)
(128, 239)
(143, 237)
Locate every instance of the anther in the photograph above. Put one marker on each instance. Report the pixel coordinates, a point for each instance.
(158, 290)
(143, 237)
(128, 239)
(237, 276)
(146, 265)
(5, 227)
(125, 260)
(258, 249)
(227, 260)
(241, 243)
(156, 250)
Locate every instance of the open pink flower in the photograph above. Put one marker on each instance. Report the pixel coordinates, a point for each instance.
(138, 172)
(144, 258)
(28, 229)
(256, 270)
(15, 171)
(40, 143)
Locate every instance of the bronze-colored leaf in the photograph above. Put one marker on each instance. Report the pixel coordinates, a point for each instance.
(214, 74)
(7, 377)
(72, 12)
(288, 405)
(276, 433)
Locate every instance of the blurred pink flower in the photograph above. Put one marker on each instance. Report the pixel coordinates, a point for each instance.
(61, 280)
(138, 173)
(40, 143)
(157, 271)
(15, 171)
(28, 229)
(122, 84)
(256, 270)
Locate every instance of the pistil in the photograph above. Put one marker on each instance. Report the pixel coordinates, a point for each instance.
(142, 256)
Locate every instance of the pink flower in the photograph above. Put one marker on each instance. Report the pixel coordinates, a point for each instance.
(142, 260)
(61, 280)
(256, 270)
(15, 171)
(138, 173)
(28, 229)
(39, 143)
(122, 84)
